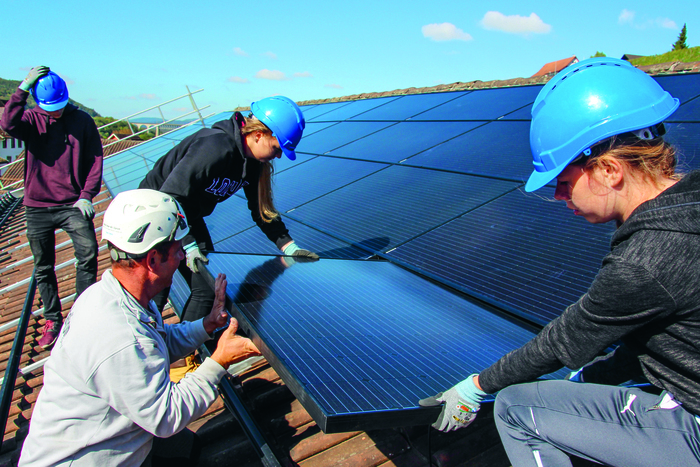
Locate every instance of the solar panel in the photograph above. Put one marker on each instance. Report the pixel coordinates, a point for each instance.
(483, 104)
(294, 188)
(497, 149)
(686, 138)
(681, 86)
(365, 340)
(252, 240)
(316, 111)
(338, 135)
(397, 204)
(523, 253)
(354, 108)
(407, 106)
(687, 112)
(402, 140)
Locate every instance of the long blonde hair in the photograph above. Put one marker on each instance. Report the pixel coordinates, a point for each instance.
(266, 206)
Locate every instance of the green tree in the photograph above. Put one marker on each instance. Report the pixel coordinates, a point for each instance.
(598, 54)
(680, 43)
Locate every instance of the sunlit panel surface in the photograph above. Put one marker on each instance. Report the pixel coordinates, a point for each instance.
(360, 342)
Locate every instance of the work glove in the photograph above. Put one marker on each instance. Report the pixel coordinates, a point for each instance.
(575, 376)
(293, 250)
(461, 403)
(33, 76)
(193, 254)
(86, 208)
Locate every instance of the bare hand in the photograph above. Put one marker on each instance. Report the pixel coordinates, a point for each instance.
(233, 348)
(218, 316)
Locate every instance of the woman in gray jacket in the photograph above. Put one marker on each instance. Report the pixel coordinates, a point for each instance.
(597, 128)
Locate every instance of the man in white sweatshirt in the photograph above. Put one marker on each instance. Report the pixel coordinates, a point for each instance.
(107, 391)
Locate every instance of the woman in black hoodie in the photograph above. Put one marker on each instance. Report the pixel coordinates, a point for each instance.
(597, 128)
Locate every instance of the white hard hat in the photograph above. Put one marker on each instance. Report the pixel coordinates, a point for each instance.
(138, 220)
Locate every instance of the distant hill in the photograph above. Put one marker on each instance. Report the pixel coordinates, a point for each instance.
(689, 55)
(8, 87)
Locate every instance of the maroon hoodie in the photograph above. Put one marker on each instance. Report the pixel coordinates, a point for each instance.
(63, 162)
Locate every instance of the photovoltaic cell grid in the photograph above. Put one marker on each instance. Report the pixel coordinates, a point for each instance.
(432, 182)
(360, 342)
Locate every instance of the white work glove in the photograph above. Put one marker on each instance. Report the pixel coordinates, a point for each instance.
(193, 254)
(86, 208)
(461, 403)
(34, 75)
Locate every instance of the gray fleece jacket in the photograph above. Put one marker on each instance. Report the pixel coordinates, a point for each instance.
(646, 295)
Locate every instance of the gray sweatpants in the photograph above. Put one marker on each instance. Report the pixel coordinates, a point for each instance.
(540, 422)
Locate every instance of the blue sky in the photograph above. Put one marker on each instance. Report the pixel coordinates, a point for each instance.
(120, 58)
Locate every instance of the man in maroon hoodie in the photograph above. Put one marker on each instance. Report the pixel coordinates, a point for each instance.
(63, 172)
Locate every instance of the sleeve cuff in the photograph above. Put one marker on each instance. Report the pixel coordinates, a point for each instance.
(211, 371)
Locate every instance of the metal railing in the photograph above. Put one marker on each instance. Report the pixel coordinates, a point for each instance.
(8, 382)
(196, 110)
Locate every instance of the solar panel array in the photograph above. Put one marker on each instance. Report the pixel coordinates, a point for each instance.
(432, 185)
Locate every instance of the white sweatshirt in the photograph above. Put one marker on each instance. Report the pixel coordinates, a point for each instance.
(107, 389)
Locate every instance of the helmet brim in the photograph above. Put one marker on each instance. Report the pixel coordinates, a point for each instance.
(291, 155)
(55, 106)
(539, 179)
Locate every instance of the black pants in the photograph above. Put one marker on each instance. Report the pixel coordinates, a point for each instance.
(201, 297)
(41, 226)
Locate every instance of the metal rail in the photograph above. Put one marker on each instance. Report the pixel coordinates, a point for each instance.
(8, 382)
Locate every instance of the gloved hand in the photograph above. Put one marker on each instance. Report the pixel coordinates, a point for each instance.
(575, 376)
(193, 254)
(85, 207)
(293, 250)
(33, 76)
(461, 403)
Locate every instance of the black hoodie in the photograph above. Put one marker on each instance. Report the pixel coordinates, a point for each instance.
(207, 168)
(646, 295)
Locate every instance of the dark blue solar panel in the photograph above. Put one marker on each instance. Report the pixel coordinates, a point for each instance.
(230, 217)
(498, 149)
(254, 241)
(353, 109)
(338, 135)
(365, 340)
(483, 104)
(179, 292)
(302, 184)
(397, 203)
(282, 164)
(312, 113)
(312, 127)
(686, 138)
(687, 112)
(407, 106)
(397, 142)
(522, 253)
(681, 86)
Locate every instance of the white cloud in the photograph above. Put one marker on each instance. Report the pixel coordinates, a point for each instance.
(515, 24)
(303, 74)
(444, 32)
(240, 52)
(274, 75)
(237, 79)
(626, 16)
(150, 97)
(271, 55)
(667, 23)
(333, 86)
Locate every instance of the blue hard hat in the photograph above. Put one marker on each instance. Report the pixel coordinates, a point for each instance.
(50, 92)
(284, 118)
(587, 103)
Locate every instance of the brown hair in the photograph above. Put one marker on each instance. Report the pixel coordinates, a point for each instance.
(653, 159)
(266, 206)
(163, 248)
